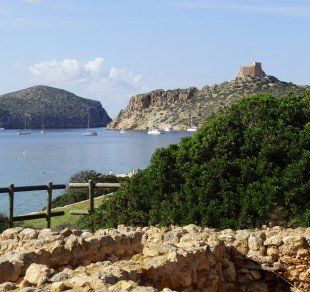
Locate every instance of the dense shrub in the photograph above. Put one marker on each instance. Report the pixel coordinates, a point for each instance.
(242, 163)
(71, 196)
(4, 222)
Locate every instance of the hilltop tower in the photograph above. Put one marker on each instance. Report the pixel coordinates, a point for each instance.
(252, 70)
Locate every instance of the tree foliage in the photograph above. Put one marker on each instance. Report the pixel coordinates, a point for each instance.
(244, 162)
(4, 222)
(71, 196)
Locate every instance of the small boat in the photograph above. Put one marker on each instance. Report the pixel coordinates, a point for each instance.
(25, 131)
(2, 129)
(168, 129)
(89, 132)
(192, 128)
(154, 132)
(122, 131)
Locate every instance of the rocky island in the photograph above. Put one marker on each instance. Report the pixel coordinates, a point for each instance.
(161, 108)
(54, 107)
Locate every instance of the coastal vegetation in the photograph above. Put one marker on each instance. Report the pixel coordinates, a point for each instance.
(244, 163)
(71, 196)
(4, 222)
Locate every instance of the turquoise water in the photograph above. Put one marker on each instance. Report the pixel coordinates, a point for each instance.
(38, 159)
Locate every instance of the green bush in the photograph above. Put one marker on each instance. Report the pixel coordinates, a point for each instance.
(4, 222)
(71, 196)
(244, 162)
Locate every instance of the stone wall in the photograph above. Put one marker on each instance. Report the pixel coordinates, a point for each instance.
(186, 258)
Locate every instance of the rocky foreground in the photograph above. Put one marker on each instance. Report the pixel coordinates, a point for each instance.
(186, 258)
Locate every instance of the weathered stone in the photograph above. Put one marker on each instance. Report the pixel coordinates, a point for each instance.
(66, 232)
(229, 273)
(60, 277)
(256, 274)
(28, 233)
(255, 243)
(8, 286)
(58, 287)
(38, 274)
(177, 258)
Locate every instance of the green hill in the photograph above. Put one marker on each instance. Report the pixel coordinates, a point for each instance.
(59, 109)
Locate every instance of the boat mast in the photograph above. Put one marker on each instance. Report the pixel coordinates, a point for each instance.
(88, 120)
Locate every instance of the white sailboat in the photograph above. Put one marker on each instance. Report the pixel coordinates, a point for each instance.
(168, 128)
(192, 128)
(42, 128)
(154, 131)
(89, 132)
(25, 131)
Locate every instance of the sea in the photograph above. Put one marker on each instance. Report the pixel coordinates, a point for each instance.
(55, 156)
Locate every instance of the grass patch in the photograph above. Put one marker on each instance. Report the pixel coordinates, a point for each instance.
(61, 222)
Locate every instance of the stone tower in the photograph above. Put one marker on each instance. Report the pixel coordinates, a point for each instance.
(252, 70)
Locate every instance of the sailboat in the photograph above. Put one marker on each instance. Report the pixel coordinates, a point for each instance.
(154, 130)
(192, 128)
(89, 132)
(25, 131)
(42, 128)
(168, 128)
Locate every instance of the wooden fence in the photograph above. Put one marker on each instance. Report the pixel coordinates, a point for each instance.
(48, 214)
(91, 191)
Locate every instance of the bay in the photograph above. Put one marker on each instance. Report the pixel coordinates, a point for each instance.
(56, 155)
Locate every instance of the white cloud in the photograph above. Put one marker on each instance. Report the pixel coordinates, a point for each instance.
(95, 66)
(57, 71)
(112, 86)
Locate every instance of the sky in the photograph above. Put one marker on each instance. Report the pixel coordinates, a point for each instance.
(112, 50)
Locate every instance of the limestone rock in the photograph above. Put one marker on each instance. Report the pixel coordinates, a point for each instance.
(38, 274)
(155, 258)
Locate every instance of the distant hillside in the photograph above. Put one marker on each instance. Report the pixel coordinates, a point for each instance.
(174, 107)
(59, 109)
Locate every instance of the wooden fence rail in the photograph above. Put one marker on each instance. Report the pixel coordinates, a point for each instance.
(91, 190)
(11, 190)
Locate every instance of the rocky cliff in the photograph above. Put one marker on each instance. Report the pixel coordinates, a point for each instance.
(175, 107)
(188, 258)
(57, 108)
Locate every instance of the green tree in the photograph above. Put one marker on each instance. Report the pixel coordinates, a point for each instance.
(243, 163)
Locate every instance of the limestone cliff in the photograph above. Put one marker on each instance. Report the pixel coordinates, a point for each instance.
(161, 108)
(56, 108)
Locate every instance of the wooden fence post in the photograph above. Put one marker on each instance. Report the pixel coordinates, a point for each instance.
(49, 204)
(91, 196)
(11, 205)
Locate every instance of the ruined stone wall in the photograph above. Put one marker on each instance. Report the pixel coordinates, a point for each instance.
(254, 70)
(145, 259)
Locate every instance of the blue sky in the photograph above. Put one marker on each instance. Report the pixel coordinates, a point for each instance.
(111, 50)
